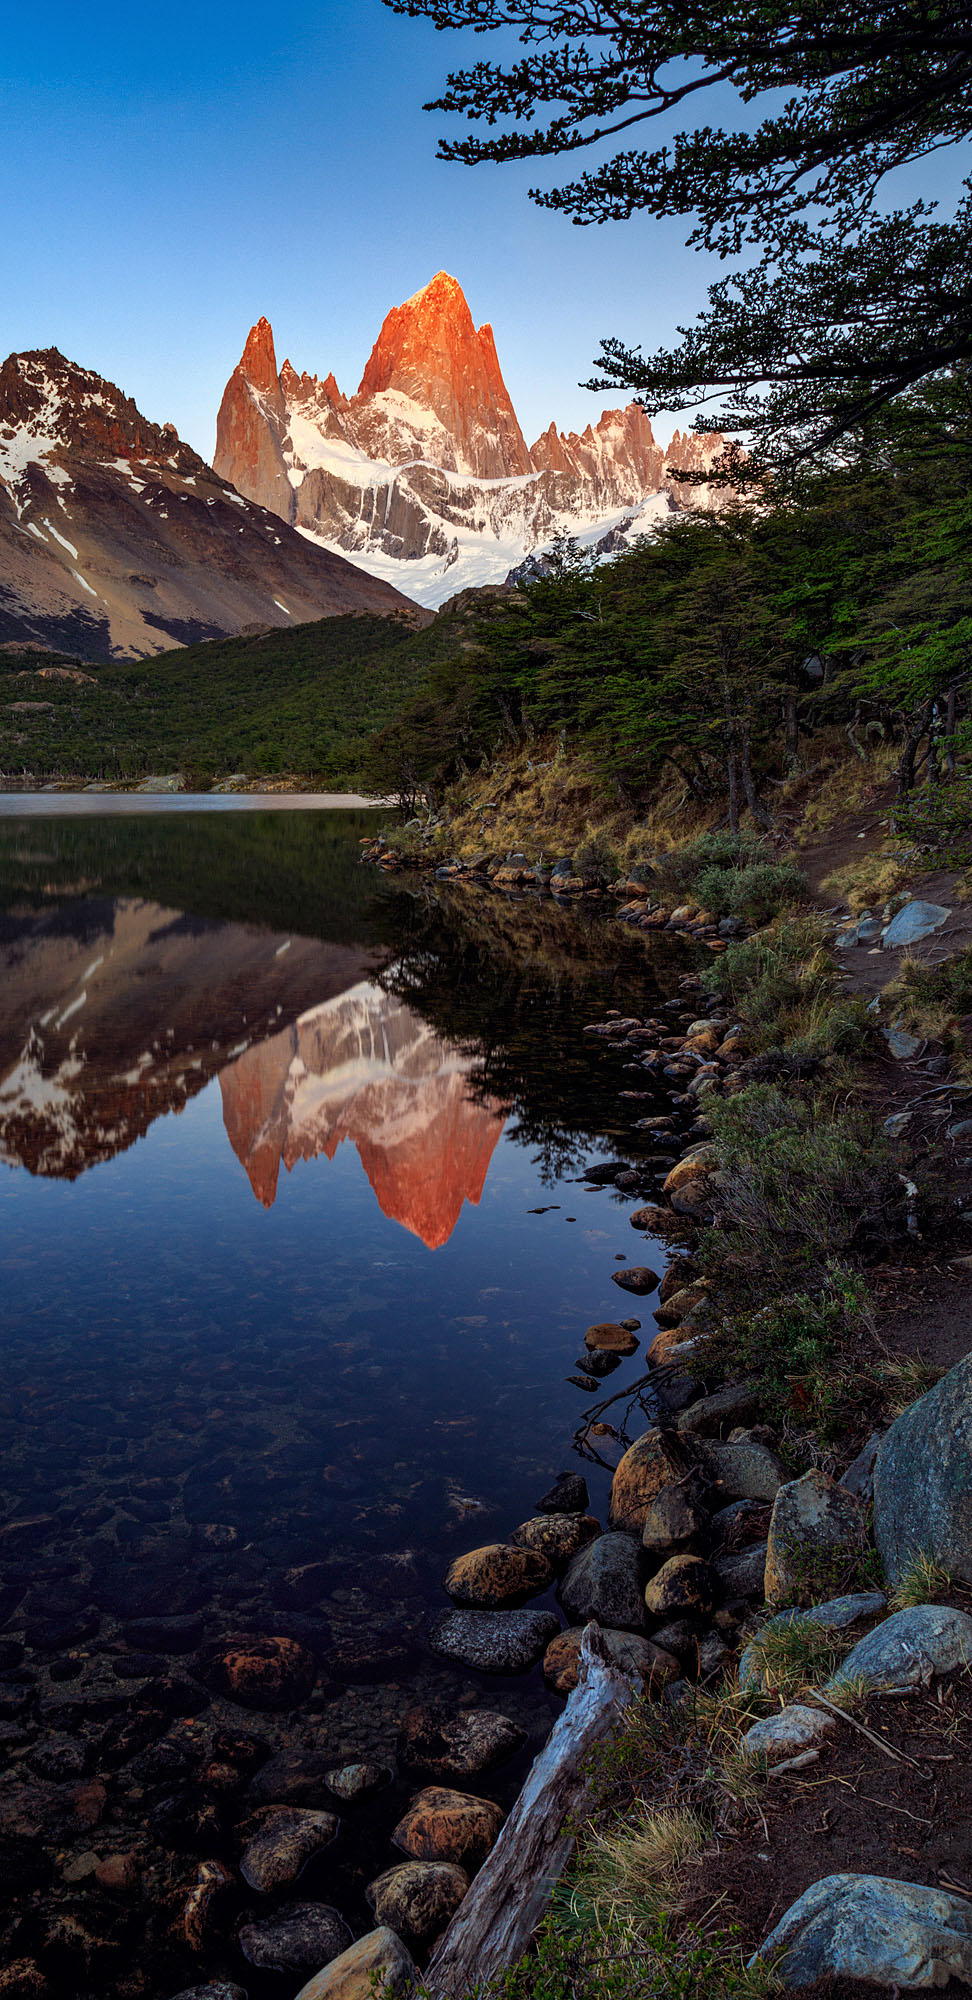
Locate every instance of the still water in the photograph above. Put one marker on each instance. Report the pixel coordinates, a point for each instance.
(295, 1260)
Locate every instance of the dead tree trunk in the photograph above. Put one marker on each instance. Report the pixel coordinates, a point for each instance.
(496, 1921)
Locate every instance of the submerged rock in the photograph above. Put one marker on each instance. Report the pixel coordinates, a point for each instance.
(493, 1642)
(356, 1781)
(286, 1837)
(885, 1933)
(497, 1575)
(299, 1937)
(259, 1672)
(444, 1825)
(456, 1745)
(418, 1898)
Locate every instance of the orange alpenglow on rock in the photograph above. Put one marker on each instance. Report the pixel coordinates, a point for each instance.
(429, 349)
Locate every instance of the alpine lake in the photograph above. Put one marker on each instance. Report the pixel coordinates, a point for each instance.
(296, 1260)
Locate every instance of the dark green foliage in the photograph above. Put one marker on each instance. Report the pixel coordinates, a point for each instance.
(844, 305)
(297, 701)
(730, 876)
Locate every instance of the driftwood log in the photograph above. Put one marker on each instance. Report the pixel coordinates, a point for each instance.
(496, 1920)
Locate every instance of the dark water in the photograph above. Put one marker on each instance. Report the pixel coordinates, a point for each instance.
(294, 1264)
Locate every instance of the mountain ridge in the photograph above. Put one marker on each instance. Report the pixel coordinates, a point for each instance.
(424, 475)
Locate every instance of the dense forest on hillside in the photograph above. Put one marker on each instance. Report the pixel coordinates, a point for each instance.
(723, 644)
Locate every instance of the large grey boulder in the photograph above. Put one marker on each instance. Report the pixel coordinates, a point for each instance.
(882, 1932)
(604, 1582)
(923, 1479)
(493, 1642)
(741, 1471)
(913, 922)
(816, 1531)
(910, 1648)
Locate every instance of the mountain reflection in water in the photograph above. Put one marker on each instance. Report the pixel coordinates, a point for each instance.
(115, 1012)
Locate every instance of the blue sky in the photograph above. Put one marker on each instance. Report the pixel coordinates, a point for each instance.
(169, 174)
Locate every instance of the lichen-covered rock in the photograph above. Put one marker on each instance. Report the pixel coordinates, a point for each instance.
(882, 1932)
(299, 1937)
(911, 1647)
(497, 1575)
(356, 1781)
(684, 1583)
(636, 1278)
(259, 1671)
(652, 1462)
(285, 1837)
(923, 1479)
(787, 1734)
(556, 1536)
(816, 1534)
(742, 1471)
(604, 1582)
(676, 1519)
(493, 1642)
(418, 1898)
(443, 1825)
(639, 1658)
(608, 1336)
(456, 1744)
(377, 1967)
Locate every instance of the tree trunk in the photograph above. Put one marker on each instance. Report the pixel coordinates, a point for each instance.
(914, 731)
(761, 816)
(494, 1924)
(791, 724)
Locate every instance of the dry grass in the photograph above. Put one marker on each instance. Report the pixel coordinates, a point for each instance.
(923, 1581)
(866, 883)
(794, 1659)
(629, 1875)
(838, 783)
(904, 1380)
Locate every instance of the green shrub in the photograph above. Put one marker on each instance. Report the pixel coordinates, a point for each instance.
(757, 891)
(596, 861)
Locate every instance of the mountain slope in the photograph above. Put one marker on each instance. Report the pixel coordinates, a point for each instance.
(117, 540)
(424, 475)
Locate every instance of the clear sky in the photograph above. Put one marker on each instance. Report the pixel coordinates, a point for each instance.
(170, 173)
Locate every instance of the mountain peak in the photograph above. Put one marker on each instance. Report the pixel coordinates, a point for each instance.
(429, 350)
(259, 362)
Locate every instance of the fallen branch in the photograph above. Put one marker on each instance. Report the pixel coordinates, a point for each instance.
(495, 1922)
(897, 1756)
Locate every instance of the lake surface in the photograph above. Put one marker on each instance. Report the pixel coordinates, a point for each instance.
(295, 1261)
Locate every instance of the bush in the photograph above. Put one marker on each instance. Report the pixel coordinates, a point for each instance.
(757, 891)
(596, 861)
(804, 1346)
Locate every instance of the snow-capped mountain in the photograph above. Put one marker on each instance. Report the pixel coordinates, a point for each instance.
(118, 541)
(366, 1068)
(424, 476)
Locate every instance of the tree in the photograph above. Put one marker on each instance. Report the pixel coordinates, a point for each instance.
(843, 306)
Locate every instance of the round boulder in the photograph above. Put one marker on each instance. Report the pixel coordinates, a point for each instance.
(604, 1582)
(378, 1962)
(418, 1898)
(635, 1278)
(556, 1536)
(443, 1825)
(299, 1937)
(608, 1336)
(635, 1656)
(676, 1519)
(684, 1583)
(285, 1837)
(500, 1574)
(259, 1672)
(649, 1464)
(493, 1642)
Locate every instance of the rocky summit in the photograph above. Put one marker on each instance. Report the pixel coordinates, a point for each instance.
(424, 475)
(118, 541)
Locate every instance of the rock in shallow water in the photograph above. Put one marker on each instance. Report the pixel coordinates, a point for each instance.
(567, 1495)
(356, 1781)
(604, 1582)
(444, 1825)
(639, 1658)
(259, 1672)
(556, 1536)
(299, 1937)
(882, 1932)
(497, 1575)
(418, 1898)
(456, 1745)
(493, 1642)
(378, 1962)
(636, 1278)
(286, 1837)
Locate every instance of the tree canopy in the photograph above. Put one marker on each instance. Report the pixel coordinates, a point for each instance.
(846, 303)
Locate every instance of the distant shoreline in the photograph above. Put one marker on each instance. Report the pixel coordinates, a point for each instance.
(48, 805)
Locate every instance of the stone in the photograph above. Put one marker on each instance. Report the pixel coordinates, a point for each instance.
(640, 1658)
(900, 1044)
(567, 1495)
(867, 1927)
(377, 1967)
(657, 1221)
(742, 1471)
(210, 1886)
(444, 1825)
(694, 1166)
(118, 1873)
(712, 1656)
(787, 1734)
(259, 1672)
(556, 1536)
(299, 1937)
(910, 1648)
(737, 1403)
(684, 1583)
(292, 1777)
(218, 1989)
(859, 1477)
(604, 1582)
(418, 1898)
(653, 1461)
(285, 1838)
(497, 1575)
(493, 1642)
(913, 921)
(676, 1519)
(456, 1745)
(674, 1346)
(923, 1480)
(679, 1304)
(741, 1572)
(356, 1781)
(635, 1278)
(837, 1614)
(816, 1534)
(607, 1336)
